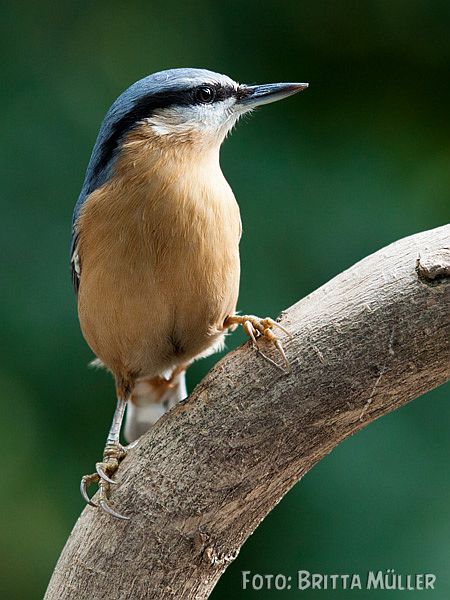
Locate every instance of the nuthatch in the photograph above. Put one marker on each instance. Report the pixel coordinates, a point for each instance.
(155, 244)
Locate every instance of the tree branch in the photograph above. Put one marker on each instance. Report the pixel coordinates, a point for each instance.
(199, 483)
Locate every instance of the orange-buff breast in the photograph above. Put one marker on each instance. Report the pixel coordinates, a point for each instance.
(159, 252)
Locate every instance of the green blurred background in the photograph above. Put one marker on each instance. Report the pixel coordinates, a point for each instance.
(323, 179)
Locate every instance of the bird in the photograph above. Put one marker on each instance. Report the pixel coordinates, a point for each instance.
(155, 246)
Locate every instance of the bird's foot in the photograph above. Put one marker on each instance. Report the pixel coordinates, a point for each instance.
(256, 327)
(112, 456)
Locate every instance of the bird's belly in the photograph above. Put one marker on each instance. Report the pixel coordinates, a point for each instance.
(145, 319)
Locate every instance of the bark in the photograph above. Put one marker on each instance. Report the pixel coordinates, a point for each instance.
(200, 482)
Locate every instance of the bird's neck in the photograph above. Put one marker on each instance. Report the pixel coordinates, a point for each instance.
(154, 172)
(145, 156)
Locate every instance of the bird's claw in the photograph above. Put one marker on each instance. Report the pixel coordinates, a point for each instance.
(101, 467)
(256, 327)
(86, 481)
(112, 456)
(104, 506)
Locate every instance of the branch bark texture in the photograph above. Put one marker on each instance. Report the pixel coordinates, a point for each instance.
(200, 482)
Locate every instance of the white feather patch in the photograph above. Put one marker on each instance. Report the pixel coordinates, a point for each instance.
(215, 119)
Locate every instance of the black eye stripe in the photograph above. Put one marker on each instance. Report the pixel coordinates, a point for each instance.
(221, 92)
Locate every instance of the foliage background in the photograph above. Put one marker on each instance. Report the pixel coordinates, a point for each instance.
(323, 179)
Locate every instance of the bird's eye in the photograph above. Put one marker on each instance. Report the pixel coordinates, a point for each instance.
(205, 94)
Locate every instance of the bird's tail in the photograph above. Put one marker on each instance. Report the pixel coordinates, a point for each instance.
(151, 398)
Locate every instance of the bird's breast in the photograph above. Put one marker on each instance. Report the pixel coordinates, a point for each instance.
(193, 233)
(159, 266)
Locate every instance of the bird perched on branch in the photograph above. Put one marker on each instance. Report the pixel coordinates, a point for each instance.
(155, 244)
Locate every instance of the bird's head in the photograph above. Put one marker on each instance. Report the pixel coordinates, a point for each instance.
(184, 108)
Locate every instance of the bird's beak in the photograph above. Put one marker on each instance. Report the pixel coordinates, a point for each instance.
(250, 96)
